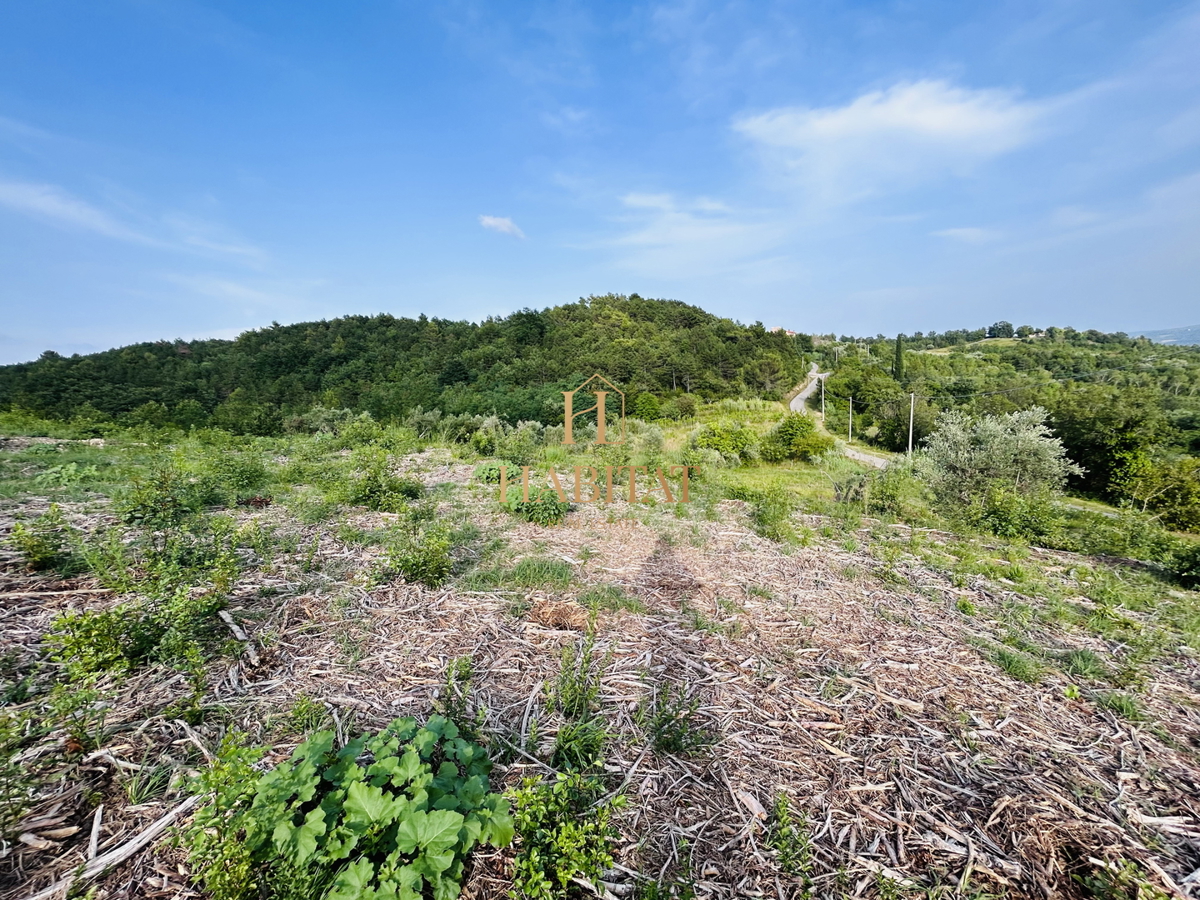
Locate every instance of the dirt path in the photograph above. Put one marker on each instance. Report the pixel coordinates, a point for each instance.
(799, 404)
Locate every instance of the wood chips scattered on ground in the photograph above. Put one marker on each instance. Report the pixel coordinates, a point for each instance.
(911, 757)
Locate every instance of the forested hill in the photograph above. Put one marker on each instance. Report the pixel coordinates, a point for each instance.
(511, 366)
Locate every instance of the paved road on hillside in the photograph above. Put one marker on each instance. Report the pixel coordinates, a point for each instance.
(799, 405)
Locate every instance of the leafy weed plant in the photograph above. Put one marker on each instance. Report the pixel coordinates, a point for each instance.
(394, 815)
(669, 717)
(566, 833)
(787, 835)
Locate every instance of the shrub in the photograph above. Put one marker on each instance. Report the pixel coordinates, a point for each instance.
(393, 815)
(669, 719)
(795, 437)
(229, 477)
(787, 835)
(374, 486)
(770, 512)
(727, 438)
(1171, 489)
(160, 500)
(967, 458)
(896, 491)
(19, 780)
(424, 558)
(578, 691)
(566, 833)
(543, 508)
(489, 472)
(1185, 564)
(520, 444)
(1008, 514)
(44, 543)
(1126, 533)
(129, 634)
(579, 746)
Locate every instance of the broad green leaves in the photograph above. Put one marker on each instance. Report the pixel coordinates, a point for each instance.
(388, 817)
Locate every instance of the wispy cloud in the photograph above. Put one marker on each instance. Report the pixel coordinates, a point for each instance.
(890, 139)
(205, 236)
(51, 203)
(570, 121)
(13, 128)
(57, 206)
(969, 235)
(672, 238)
(502, 224)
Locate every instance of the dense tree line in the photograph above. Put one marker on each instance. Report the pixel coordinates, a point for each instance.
(387, 366)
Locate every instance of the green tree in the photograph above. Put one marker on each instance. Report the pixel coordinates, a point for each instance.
(1111, 433)
(968, 457)
(898, 361)
(1000, 330)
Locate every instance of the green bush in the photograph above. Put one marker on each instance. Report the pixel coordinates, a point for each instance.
(670, 720)
(159, 500)
(228, 477)
(795, 437)
(770, 512)
(127, 635)
(896, 491)
(566, 832)
(1125, 533)
(374, 486)
(578, 691)
(1185, 564)
(969, 458)
(579, 746)
(543, 508)
(44, 543)
(1008, 514)
(489, 472)
(424, 558)
(391, 816)
(727, 438)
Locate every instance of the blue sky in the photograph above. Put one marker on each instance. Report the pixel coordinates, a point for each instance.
(185, 169)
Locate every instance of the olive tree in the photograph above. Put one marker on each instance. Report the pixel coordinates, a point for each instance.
(967, 458)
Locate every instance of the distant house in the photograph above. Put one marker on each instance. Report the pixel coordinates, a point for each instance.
(784, 330)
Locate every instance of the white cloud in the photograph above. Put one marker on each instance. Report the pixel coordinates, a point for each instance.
(668, 238)
(649, 201)
(502, 224)
(52, 203)
(969, 235)
(892, 138)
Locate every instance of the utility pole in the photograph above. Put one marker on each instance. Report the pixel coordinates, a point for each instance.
(851, 433)
(822, 401)
(912, 405)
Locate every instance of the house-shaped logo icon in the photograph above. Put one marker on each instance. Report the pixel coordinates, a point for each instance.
(601, 388)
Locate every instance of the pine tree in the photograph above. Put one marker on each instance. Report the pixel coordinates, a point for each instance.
(898, 362)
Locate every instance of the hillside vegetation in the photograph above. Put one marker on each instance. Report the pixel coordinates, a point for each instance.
(513, 367)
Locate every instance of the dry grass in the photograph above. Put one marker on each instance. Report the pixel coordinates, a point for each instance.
(913, 758)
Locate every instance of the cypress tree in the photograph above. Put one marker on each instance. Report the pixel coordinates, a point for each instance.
(898, 362)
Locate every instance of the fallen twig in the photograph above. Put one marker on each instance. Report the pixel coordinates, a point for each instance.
(117, 855)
